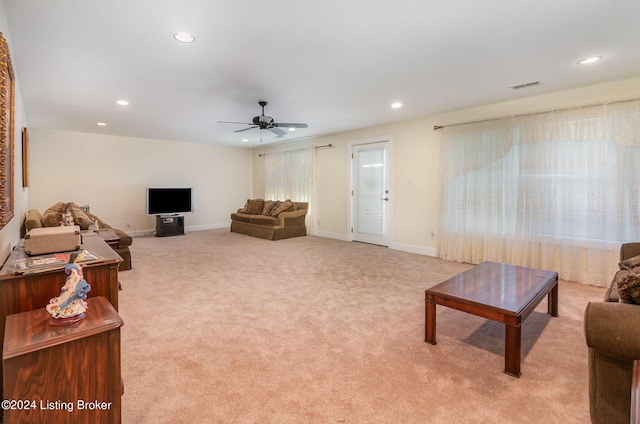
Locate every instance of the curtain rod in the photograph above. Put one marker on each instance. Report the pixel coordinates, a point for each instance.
(294, 150)
(437, 127)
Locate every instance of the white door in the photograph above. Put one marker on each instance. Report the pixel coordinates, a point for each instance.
(370, 196)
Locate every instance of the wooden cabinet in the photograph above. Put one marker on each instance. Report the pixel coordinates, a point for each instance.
(169, 225)
(68, 374)
(22, 293)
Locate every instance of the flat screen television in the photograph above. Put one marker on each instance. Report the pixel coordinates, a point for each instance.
(162, 201)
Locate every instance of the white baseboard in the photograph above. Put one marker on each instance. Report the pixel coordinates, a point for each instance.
(427, 251)
(335, 236)
(149, 231)
(420, 250)
(207, 227)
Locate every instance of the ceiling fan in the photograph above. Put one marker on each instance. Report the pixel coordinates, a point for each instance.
(266, 123)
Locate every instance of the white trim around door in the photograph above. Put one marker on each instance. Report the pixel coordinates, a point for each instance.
(370, 193)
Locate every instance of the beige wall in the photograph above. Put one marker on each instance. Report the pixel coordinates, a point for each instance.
(416, 157)
(111, 174)
(10, 234)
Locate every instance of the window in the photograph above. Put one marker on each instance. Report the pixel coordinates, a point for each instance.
(521, 190)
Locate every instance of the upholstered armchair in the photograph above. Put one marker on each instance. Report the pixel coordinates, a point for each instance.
(612, 331)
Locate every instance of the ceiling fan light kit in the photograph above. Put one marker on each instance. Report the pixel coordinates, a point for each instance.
(264, 122)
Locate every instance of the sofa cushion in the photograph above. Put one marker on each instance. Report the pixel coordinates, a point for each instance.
(629, 288)
(79, 216)
(268, 206)
(281, 207)
(125, 239)
(630, 263)
(263, 220)
(53, 216)
(240, 217)
(34, 220)
(612, 294)
(254, 206)
(275, 205)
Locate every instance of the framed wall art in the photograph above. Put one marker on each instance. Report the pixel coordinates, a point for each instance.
(7, 102)
(25, 157)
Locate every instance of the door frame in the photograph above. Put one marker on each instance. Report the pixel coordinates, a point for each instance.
(351, 218)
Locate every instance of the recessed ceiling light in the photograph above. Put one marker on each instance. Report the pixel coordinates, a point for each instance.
(184, 37)
(244, 140)
(396, 105)
(122, 102)
(589, 60)
(291, 129)
(102, 124)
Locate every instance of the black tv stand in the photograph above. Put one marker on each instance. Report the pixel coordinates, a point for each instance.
(169, 225)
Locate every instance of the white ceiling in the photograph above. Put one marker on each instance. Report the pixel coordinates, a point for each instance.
(334, 64)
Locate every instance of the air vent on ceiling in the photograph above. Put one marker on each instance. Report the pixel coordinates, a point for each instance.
(525, 85)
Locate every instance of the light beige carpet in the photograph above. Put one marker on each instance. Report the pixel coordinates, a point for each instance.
(226, 328)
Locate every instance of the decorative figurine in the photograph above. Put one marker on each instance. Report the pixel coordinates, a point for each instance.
(67, 218)
(70, 305)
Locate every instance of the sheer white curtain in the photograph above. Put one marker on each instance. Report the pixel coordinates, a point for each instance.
(290, 175)
(557, 190)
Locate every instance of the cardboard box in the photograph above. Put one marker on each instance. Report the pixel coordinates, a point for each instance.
(39, 241)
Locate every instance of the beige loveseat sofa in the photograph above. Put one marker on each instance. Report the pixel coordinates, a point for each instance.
(271, 219)
(53, 217)
(612, 331)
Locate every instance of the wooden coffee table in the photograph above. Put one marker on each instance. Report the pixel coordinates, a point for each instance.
(500, 292)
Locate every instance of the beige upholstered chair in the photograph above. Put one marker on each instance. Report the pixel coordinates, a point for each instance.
(612, 331)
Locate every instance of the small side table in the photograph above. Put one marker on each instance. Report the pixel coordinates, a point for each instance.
(68, 374)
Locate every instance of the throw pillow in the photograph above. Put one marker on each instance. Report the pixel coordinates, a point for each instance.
(630, 263)
(52, 217)
(254, 206)
(282, 207)
(629, 289)
(79, 216)
(268, 205)
(273, 208)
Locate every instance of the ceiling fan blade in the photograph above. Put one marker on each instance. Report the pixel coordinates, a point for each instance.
(232, 122)
(277, 131)
(291, 125)
(245, 129)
